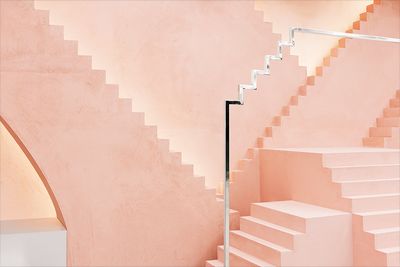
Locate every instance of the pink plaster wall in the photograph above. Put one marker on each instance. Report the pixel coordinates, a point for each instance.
(179, 61)
(125, 199)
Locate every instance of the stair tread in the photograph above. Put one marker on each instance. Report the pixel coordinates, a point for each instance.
(260, 241)
(389, 250)
(215, 263)
(368, 180)
(362, 166)
(373, 196)
(384, 230)
(247, 257)
(272, 225)
(381, 212)
(299, 209)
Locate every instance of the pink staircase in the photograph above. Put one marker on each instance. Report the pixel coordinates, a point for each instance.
(119, 190)
(290, 233)
(386, 133)
(309, 119)
(364, 181)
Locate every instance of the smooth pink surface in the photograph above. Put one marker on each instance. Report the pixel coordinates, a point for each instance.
(126, 200)
(338, 105)
(179, 61)
(352, 91)
(290, 233)
(364, 181)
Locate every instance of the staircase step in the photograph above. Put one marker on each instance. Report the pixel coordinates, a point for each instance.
(360, 156)
(289, 214)
(388, 122)
(380, 219)
(239, 258)
(380, 131)
(268, 231)
(258, 247)
(382, 171)
(393, 256)
(370, 8)
(311, 80)
(214, 263)
(386, 237)
(327, 61)
(372, 186)
(373, 141)
(394, 103)
(365, 203)
(391, 112)
(364, 16)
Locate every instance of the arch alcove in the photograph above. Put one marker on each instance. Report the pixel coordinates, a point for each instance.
(32, 231)
(25, 192)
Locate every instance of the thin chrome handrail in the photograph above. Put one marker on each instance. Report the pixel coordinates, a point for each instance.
(253, 86)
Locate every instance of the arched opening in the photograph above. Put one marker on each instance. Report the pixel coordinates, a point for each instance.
(25, 192)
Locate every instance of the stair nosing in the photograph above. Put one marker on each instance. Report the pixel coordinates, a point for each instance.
(260, 241)
(373, 196)
(272, 225)
(246, 256)
(384, 230)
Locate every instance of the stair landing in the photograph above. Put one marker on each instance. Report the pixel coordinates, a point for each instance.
(290, 233)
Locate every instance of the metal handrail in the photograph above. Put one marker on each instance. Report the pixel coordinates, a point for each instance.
(253, 86)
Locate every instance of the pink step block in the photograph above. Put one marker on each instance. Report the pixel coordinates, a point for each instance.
(277, 234)
(382, 171)
(380, 131)
(258, 247)
(395, 103)
(364, 187)
(391, 112)
(386, 237)
(360, 156)
(379, 219)
(365, 203)
(239, 258)
(388, 122)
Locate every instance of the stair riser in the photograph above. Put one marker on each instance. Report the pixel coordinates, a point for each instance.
(374, 141)
(376, 204)
(381, 132)
(387, 240)
(393, 259)
(270, 234)
(391, 112)
(388, 122)
(349, 159)
(212, 264)
(373, 222)
(255, 249)
(395, 103)
(276, 217)
(365, 172)
(235, 260)
(379, 187)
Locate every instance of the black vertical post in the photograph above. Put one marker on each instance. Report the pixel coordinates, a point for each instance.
(227, 181)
